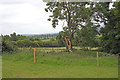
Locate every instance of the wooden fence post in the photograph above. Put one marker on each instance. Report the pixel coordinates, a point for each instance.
(97, 59)
(34, 55)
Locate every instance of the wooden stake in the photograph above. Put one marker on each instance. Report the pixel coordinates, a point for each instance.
(97, 59)
(34, 55)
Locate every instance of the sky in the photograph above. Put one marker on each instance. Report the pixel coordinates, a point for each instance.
(25, 17)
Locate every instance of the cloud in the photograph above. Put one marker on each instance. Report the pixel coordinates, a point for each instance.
(19, 1)
(25, 16)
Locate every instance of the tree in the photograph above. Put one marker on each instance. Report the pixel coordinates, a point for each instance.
(7, 46)
(60, 38)
(21, 37)
(111, 31)
(36, 44)
(20, 43)
(13, 37)
(52, 39)
(74, 13)
(86, 36)
(6, 37)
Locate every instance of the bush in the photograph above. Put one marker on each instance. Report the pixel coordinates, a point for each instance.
(24, 43)
(7, 46)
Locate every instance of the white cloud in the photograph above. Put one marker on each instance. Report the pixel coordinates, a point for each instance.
(25, 16)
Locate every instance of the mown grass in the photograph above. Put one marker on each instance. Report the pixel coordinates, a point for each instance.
(78, 64)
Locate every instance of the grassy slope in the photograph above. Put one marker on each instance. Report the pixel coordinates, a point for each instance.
(58, 65)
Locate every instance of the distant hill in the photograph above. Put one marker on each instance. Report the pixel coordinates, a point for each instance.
(42, 36)
(39, 34)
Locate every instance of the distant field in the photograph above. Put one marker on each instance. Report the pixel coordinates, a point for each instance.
(75, 47)
(55, 49)
(78, 64)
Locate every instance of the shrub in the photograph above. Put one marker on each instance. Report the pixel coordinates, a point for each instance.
(7, 46)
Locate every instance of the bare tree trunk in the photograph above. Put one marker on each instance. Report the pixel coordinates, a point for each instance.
(69, 28)
(70, 38)
(66, 46)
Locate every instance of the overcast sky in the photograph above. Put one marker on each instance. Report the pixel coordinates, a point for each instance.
(25, 17)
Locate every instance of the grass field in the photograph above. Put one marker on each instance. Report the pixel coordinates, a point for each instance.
(78, 64)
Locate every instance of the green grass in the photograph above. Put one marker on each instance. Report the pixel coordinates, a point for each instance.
(78, 64)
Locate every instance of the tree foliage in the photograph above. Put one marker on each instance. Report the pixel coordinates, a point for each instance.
(111, 31)
(74, 13)
(86, 37)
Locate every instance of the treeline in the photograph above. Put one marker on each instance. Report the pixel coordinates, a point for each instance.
(13, 41)
(42, 36)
